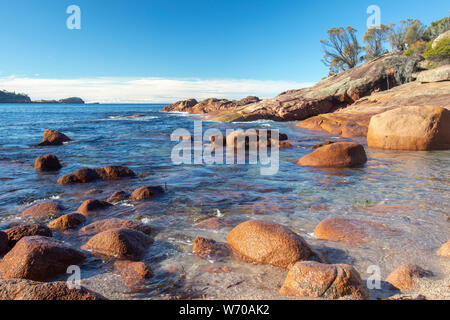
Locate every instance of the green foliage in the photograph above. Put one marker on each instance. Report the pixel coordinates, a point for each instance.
(374, 39)
(341, 49)
(407, 31)
(414, 33)
(440, 50)
(437, 28)
(417, 48)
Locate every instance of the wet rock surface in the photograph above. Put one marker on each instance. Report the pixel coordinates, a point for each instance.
(20, 289)
(404, 277)
(93, 207)
(351, 232)
(318, 280)
(121, 243)
(18, 232)
(336, 155)
(114, 223)
(265, 242)
(38, 258)
(49, 162)
(43, 210)
(67, 221)
(53, 138)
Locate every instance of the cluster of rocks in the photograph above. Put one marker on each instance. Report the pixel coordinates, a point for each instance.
(32, 257)
(391, 100)
(309, 274)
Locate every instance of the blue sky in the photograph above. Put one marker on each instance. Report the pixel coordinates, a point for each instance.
(275, 44)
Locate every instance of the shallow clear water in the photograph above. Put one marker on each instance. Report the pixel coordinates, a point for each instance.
(407, 192)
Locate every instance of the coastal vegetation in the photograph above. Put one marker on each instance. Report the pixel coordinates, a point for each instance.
(12, 97)
(342, 50)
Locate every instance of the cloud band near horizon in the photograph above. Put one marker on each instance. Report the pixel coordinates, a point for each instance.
(145, 90)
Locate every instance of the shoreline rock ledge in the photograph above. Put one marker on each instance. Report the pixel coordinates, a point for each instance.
(328, 95)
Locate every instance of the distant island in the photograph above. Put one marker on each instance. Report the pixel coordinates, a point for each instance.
(12, 97)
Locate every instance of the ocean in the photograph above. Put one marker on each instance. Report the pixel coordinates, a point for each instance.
(407, 192)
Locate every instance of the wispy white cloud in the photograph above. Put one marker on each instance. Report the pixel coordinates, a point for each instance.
(145, 90)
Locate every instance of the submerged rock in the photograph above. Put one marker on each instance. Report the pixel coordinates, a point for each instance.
(18, 232)
(87, 175)
(122, 243)
(146, 193)
(216, 223)
(43, 210)
(49, 162)
(114, 223)
(411, 128)
(208, 247)
(317, 280)
(115, 173)
(93, 207)
(134, 274)
(84, 175)
(351, 232)
(404, 277)
(265, 242)
(444, 250)
(67, 221)
(38, 258)
(119, 196)
(336, 155)
(20, 289)
(53, 138)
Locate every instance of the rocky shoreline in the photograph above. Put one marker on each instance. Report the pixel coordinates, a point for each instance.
(30, 253)
(376, 100)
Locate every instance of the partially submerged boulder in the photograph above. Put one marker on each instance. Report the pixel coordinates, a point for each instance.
(216, 223)
(67, 221)
(411, 128)
(119, 196)
(122, 243)
(444, 250)
(146, 193)
(115, 173)
(336, 155)
(43, 210)
(114, 223)
(87, 175)
(84, 175)
(38, 258)
(317, 280)
(352, 232)
(134, 274)
(26, 230)
(53, 138)
(405, 276)
(204, 247)
(93, 207)
(264, 242)
(49, 162)
(21, 289)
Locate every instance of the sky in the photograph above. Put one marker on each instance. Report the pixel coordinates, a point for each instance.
(166, 50)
